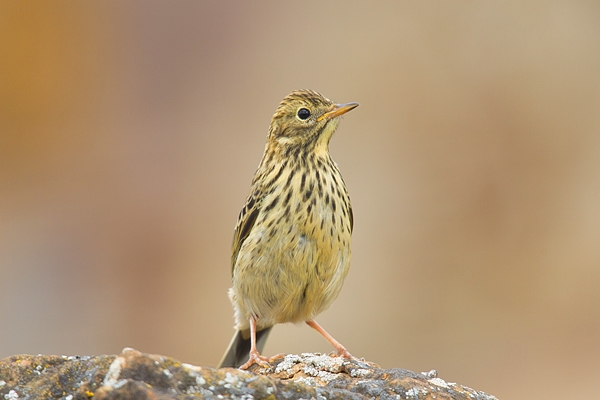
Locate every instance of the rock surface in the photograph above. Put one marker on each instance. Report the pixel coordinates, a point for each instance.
(134, 375)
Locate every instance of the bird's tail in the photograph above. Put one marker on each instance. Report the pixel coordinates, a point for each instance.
(239, 348)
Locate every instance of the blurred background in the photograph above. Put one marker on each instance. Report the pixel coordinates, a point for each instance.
(129, 133)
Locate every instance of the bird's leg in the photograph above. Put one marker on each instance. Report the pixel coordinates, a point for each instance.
(254, 357)
(341, 350)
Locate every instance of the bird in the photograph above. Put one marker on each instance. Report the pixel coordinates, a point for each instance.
(291, 245)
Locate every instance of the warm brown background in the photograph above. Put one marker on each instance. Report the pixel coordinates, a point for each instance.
(129, 134)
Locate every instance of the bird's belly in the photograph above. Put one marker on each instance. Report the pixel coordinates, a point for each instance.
(293, 276)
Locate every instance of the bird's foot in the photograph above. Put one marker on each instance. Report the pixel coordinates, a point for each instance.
(345, 353)
(342, 352)
(277, 357)
(256, 358)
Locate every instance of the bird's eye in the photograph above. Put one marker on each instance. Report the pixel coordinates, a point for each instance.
(303, 113)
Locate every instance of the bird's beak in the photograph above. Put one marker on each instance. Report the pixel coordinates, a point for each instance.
(337, 110)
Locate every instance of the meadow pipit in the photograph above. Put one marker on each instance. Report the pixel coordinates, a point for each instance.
(291, 246)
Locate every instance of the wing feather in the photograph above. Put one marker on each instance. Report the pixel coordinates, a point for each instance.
(244, 225)
(351, 215)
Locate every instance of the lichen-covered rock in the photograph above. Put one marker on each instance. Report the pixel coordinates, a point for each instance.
(52, 377)
(133, 375)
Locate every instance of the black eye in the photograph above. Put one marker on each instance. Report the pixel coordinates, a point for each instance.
(303, 113)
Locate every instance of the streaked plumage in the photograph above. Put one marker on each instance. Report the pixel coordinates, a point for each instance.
(291, 246)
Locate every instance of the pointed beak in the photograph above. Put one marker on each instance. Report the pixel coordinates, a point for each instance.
(337, 110)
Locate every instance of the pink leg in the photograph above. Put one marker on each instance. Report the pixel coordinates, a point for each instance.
(341, 350)
(255, 357)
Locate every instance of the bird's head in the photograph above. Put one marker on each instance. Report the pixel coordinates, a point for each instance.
(306, 119)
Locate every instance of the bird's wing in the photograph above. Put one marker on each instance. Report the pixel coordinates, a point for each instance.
(351, 215)
(244, 225)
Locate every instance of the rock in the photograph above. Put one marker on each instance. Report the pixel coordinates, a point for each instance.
(134, 375)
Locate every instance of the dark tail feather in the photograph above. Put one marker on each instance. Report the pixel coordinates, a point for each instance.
(237, 352)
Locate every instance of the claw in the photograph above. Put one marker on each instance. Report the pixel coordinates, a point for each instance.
(256, 358)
